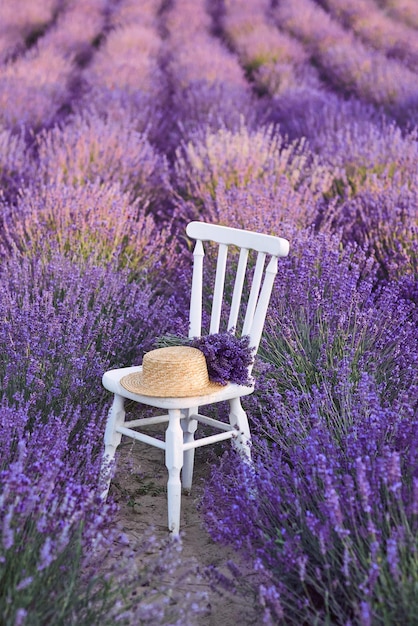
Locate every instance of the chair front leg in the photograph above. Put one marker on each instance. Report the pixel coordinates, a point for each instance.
(189, 426)
(238, 419)
(174, 463)
(112, 439)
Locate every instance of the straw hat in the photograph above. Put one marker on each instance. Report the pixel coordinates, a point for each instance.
(174, 372)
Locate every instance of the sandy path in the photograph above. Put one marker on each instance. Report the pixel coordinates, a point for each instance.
(139, 486)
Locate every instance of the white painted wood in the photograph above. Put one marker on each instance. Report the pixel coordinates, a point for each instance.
(195, 316)
(210, 439)
(262, 304)
(242, 238)
(254, 293)
(218, 289)
(174, 463)
(111, 381)
(189, 426)
(183, 413)
(112, 438)
(209, 421)
(238, 419)
(238, 287)
(134, 434)
(147, 421)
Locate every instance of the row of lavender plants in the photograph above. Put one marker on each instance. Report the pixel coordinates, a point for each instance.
(122, 120)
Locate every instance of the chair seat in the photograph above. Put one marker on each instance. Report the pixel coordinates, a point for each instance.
(111, 382)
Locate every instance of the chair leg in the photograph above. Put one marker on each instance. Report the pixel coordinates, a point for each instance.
(112, 438)
(189, 426)
(238, 419)
(174, 463)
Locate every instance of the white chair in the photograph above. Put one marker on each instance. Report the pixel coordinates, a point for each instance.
(182, 414)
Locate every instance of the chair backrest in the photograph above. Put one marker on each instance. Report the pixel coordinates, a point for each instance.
(266, 246)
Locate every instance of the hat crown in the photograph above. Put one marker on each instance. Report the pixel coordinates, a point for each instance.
(176, 371)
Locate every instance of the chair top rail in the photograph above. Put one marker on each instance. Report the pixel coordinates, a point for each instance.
(269, 244)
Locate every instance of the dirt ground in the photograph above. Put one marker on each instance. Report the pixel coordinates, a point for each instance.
(139, 487)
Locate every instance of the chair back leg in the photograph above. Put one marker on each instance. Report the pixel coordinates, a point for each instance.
(112, 439)
(174, 464)
(189, 426)
(238, 419)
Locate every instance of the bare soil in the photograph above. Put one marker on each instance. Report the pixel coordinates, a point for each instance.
(139, 487)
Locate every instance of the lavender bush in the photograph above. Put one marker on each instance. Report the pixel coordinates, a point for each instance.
(239, 158)
(124, 77)
(347, 63)
(275, 61)
(58, 538)
(382, 220)
(54, 523)
(14, 163)
(327, 513)
(77, 29)
(93, 315)
(207, 79)
(91, 148)
(371, 24)
(330, 529)
(95, 222)
(34, 89)
(404, 11)
(22, 25)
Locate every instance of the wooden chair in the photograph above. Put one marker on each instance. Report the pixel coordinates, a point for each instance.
(182, 413)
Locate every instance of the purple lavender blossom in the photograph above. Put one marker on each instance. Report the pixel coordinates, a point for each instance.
(404, 11)
(228, 358)
(14, 163)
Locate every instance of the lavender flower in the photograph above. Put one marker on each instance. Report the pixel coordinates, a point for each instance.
(52, 305)
(14, 163)
(228, 358)
(22, 25)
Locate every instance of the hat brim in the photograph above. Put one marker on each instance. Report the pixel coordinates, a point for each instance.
(134, 383)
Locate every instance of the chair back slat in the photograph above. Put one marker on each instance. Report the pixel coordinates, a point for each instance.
(218, 289)
(195, 316)
(254, 293)
(238, 287)
(262, 304)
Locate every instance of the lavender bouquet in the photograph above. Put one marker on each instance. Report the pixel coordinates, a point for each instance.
(227, 357)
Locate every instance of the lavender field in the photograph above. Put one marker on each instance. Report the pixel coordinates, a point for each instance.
(121, 121)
